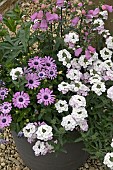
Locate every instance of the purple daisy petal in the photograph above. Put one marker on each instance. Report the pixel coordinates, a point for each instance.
(36, 63)
(42, 74)
(51, 73)
(3, 93)
(33, 80)
(5, 107)
(27, 70)
(5, 120)
(45, 96)
(49, 62)
(21, 100)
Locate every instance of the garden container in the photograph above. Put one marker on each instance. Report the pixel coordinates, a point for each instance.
(74, 157)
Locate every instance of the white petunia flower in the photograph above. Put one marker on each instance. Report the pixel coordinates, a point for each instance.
(72, 37)
(95, 78)
(68, 123)
(77, 101)
(74, 74)
(40, 148)
(61, 106)
(29, 130)
(75, 64)
(44, 132)
(98, 88)
(83, 124)
(110, 93)
(16, 72)
(107, 160)
(64, 56)
(84, 62)
(106, 53)
(104, 14)
(98, 22)
(79, 113)
(109, 42)
(64, 87)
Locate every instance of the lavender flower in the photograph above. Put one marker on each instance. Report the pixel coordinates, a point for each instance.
(36, 63)
(51, 73)
(5, 120)
(3, 93)
(33, 81)
(45, 96)
(42, 74)
(49, 62)
(5, 107)
(21, 100)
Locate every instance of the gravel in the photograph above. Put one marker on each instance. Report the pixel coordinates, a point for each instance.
(10, 159)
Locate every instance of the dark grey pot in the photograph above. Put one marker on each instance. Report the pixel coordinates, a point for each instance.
(72, 160)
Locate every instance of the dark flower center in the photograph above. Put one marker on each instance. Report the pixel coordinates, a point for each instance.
(31, 81)
(35, 63)
(45, 97)
(3, 120)
(6, 107)
(28, 130)
(41, 74)
(51, 72)
(2, 93)
(48, 64)
(21, 99)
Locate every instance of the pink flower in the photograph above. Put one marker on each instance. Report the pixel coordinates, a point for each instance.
(60, 3)
(49, 17)
(91, 49)
(40, 15)
(75, 21)
(43, 25)
(1, 18)
(96, 12)
(107, 7)
(80, 4)
(34, 16)
(78, 52)
(87, 54)
(36, 25)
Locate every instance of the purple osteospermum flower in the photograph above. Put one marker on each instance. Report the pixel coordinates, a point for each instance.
(33, 80)
(5, 107)
(45, 96)
(51, 73)
(3, 93)
(27, 70)
(42, 74)
(36, 62)
(5, 120)
(21, 100)
(49, 62)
